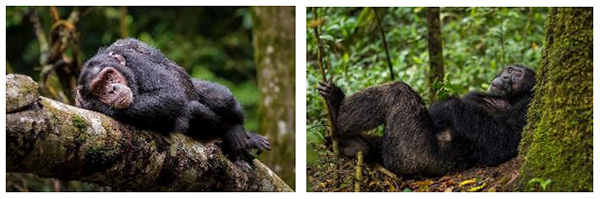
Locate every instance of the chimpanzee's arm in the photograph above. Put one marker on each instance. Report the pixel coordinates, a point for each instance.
(163, 106)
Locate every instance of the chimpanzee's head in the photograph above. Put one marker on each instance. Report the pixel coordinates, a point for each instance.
(512, 81)
(106, 78)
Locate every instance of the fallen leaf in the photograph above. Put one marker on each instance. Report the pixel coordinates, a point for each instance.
(466, 182)
(451, 182)
(445, 178)
(423, 183)
(392, 187)
(513, 176)
(476, 188)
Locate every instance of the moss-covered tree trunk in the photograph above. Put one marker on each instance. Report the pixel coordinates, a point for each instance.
(274, 53)
(558, 140)
(436, 58)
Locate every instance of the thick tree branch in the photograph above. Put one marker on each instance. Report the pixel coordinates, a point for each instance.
(56, 140)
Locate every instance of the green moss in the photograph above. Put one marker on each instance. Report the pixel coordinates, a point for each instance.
(557, 143)
(99, 155)
(79, 123)
(55, 119)
(55, 150)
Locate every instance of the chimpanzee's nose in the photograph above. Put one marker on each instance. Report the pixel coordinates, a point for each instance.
(112, 88)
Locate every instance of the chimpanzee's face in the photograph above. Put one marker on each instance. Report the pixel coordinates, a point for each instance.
(512, 80)
(111, 88)
(106, 83)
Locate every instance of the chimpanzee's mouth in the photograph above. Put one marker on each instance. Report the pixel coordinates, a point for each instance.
(499, 88)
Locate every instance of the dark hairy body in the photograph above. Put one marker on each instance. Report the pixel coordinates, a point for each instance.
(135, 83)
(452, 135)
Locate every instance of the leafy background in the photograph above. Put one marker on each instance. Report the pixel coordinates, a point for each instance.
(477, 43)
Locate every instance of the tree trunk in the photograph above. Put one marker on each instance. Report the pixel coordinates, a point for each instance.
(51, 139)
(436, 58)
(274, 53)
(557, 143)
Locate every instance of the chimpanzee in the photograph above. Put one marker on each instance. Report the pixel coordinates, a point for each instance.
(454, 134)
(135, 83)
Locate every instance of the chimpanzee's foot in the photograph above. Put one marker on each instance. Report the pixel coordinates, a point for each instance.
(239, 143)
(258, 142)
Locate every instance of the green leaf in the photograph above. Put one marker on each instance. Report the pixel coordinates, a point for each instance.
(327, 37)
(542, 182)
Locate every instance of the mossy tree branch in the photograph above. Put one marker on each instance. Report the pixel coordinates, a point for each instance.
(56, 140)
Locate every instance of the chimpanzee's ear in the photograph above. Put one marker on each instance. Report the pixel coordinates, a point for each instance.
(118, 57)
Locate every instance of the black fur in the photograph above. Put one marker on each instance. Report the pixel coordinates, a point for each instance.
(166, 99)
(454, 134)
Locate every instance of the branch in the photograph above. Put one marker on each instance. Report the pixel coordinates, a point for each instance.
(56, 140)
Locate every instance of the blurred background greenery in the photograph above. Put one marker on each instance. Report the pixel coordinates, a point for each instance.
(211, 43)
(477, 43)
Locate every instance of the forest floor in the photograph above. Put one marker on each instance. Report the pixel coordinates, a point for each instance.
(335, 174)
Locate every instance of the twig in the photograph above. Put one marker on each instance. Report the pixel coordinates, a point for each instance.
(319, 49)
(385, 46)
(503, 60)
(54, 13)
(359, 168)
(324, 79)
(386, 172)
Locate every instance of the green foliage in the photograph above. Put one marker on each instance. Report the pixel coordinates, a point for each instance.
(542, 183)
(477, 43)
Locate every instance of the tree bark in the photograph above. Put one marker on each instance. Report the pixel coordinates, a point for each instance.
(51, 139)
(557, 144)
(274, 53)
(436, 57)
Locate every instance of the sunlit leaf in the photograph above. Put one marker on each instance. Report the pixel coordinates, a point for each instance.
(476, 188)
(466, 182)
